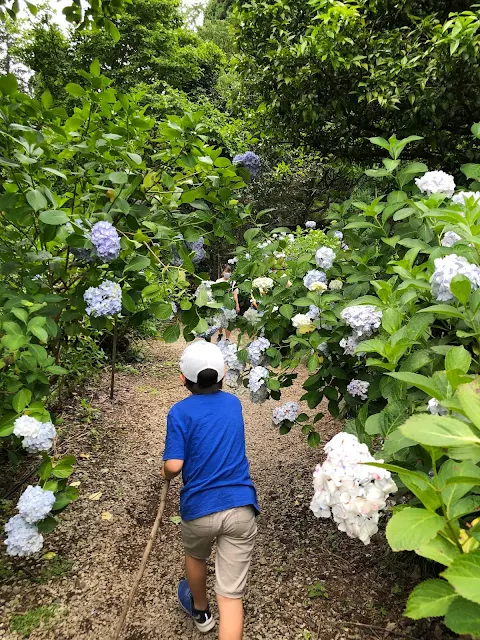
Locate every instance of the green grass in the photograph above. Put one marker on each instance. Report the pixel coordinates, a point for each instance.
(56, 568)
(27, 622)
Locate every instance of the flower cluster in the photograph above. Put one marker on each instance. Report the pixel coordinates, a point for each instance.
(257, 377)
(106, 241)
(325, 257)
(23, 539)
(358, 388)
(461, 198)
(436, 408)
(223, 318)
(310, 224)
(198, 249)
(288, 411)
(338, 235)
(363, 319)
(37, 436)
(234, 260)
(436, 182)
(249, 160)
(253, 316)
(313, 312)
(335, 285)
(230, 355)
(303, 322)
(446, 269)
(315, 280)
(450, 238)
(263, 284)
(351, 492)
(105, 300)
(35, 504)
(256, 350)
(205, 285)
(349, 344)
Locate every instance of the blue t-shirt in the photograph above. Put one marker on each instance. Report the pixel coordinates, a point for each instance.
(208, 434)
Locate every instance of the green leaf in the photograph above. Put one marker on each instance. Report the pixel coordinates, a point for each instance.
(443, 310)
(171, 333)
(440, 550)
(162, 310)
(463, 617)
(461, 288)
(118, 177)
(21, 314)
(40, 333)
(439, 431)
(464, 576)
(75, 90)
(452, 491)
(411, 528)
(421, 382)
(137, 264)
(469, 396)
(135, 157)
(64, 498)
(430, 599)
(47, 525)
(54, 217)
(458, 358)
(36, 199)
(45, 469)
(46, 99)
(21, 399)
(391, 320)
(313, 439)
(95, 68)
(112, 30)
(286, 310)
(464, 507)
(64, 467)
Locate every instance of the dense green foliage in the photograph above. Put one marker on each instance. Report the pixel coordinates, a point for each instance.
(331, 73)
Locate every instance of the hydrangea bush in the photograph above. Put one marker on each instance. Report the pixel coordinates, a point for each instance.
(87, 228)
(394, 335)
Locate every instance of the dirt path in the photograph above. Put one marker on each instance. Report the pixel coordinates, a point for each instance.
(97, 558)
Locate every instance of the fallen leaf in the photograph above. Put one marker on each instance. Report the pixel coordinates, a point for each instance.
(175, 519)
(49, 556)
(95, 496)
(105, 470)
(106, 515)
(84, 455)
(77, 483)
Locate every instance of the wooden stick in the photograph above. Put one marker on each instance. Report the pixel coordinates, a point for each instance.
(143, 564)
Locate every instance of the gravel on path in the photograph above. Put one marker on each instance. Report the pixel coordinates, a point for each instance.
(294, 551)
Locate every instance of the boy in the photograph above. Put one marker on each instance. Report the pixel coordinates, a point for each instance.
(206, 442)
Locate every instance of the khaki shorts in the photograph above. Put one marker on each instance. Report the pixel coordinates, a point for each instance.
(235, 531)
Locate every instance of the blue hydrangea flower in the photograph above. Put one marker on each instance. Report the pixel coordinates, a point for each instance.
(249, 160)
(198, 248)
(106, 241)
(105, 300)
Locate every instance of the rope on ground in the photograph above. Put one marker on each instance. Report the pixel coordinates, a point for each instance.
(143, 564)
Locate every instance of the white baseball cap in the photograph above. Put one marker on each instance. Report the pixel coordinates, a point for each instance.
(199, 356)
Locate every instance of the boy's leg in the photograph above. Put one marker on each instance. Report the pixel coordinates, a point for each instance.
(234, 554)
(231, 618)
(196, 573)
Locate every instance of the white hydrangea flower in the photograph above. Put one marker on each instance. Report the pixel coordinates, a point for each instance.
(37, 436)
(436, 408)
(351, 492)
(335, 285)
(257, 377)
(325, 257)
(461, 197)
(358, 388)
(35, 504)
(313, 279)
(288, 411)
(256, 350)
(363, 319)
(23, 538)
(338, 235)
(310, 224)
(263, 284)
(230, 355)
(446, 269)
(253, 316)
(248, 256)
(450, 238)
(436, 182)
(233, 260)
(302, 320)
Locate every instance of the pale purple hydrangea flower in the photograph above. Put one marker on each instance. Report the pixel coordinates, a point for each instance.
(363, 319)
(325, 257)
(35, 504)
(249, 160)
(313, 279)
(36, 436)
(106, 241)
(288, 411)
(23, 538)
(256, 350)
(104, 300)
(446, 269)
(257, 377)
(310, 224)
(313, 312)
(338, 235)
(358, 388)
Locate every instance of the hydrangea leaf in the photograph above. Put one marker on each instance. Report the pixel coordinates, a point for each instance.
(410, 528)
(440, 431)
(464, 576)
(430, 599)
(440, 550)
(463, 617)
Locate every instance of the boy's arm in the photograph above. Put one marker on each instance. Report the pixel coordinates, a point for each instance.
(235, 297)
(174, 453)
(171, 469)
